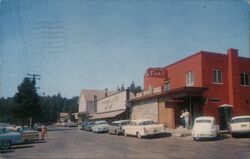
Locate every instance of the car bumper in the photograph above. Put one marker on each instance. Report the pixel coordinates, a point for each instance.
(204, 135)
(153, 133)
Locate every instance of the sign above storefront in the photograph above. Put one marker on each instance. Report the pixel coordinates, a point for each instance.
(156, 72)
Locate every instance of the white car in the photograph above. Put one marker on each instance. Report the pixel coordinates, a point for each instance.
(100, 126)
(205, 127)
(240, 125)
(142, 128)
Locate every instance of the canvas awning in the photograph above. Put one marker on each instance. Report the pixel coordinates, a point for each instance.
(107, 115)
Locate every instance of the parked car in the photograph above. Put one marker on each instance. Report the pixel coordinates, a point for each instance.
(9, 138)
(72, 124)
(82, 125)
(58, 124)
(4, 124)
(240, 125)
(142, 128)
(28, 134)
(116, 127)
(38, 126)
(205, 127)
(100, 126)
(88, 126)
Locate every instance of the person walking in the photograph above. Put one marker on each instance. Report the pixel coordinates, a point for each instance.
(43, 132)
(182, 118)
(186, 118)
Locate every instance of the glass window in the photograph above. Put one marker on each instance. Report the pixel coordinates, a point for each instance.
(244, 79)
(190, 78)
(217, 76)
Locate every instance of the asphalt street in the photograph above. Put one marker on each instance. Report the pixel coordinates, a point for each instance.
(73, 143)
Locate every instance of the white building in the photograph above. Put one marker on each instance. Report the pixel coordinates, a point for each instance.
(86, 101)
(113, 107)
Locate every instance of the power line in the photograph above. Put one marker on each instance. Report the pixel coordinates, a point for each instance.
(20, 24)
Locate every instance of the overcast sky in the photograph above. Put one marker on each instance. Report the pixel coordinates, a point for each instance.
(97, 44)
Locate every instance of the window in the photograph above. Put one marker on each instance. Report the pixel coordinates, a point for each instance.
(217, 76)
(189, 78)
(244, 79)
(167, 85)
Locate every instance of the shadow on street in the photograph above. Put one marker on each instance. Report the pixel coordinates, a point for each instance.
(21, 146)
(6, 151)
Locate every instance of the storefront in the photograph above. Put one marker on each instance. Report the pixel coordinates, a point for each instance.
(113, 107)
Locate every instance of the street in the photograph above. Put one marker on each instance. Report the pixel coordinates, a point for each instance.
(74, 143)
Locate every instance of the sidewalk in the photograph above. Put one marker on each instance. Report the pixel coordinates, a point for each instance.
(179, 132)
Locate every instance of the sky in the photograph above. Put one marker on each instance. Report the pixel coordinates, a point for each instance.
(98, 44)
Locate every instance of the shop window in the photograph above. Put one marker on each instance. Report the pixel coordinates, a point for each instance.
(244, 79)
(190, 78)
(217, 76)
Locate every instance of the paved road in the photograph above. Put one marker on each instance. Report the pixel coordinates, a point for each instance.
(73, 143)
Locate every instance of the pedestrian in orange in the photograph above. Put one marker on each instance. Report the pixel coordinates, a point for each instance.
(43, 132)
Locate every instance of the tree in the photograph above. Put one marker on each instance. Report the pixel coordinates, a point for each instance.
(134, 89)
(122, 88)
(27, 101)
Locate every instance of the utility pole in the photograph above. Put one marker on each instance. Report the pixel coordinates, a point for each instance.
(34, 77)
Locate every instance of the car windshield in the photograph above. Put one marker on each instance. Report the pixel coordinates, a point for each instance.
(203, 121)
(115, 124)
(125, 123)
(149, 122)
(90, 123)
(239, 120)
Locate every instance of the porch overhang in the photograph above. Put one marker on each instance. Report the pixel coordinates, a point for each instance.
(186, 91)
(174, 93)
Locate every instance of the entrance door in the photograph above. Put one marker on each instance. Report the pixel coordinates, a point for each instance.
(170, 117)
(225, 117)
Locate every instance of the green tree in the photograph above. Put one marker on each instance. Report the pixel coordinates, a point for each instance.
(27, 101)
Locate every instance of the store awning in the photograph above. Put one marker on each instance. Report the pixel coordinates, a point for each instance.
(186, 91)
(107, 115)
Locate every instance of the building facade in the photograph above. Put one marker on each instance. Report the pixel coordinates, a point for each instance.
(86, 103)
(205, 83)
(112, 107)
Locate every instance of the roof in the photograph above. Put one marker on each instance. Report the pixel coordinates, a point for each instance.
(239, 117)
(89, 94)
(226, 105)
(107, 115)
(120, 121)
(205, 117)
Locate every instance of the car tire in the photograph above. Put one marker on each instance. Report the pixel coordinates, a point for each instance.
(138, 135)
(195, 139)
(6, 145)
(234, 135)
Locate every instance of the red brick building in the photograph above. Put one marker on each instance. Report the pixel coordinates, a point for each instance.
(202, 83)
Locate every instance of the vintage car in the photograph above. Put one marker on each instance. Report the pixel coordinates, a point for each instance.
(116, 127)
(88, 126)
(240, 125)
(100, 126)
(9, 138)
(28, 134)
(205, 127)
(38, 126)
(142, 128)
(82, 125)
